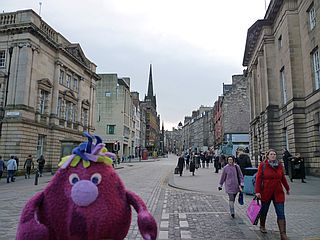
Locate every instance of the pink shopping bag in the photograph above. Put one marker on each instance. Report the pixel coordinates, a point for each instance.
(253, 211)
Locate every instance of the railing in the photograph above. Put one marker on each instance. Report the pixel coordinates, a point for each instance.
(48, 31)
(9, 18)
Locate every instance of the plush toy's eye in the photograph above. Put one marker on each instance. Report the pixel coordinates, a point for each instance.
(73, 178)
(96, 178)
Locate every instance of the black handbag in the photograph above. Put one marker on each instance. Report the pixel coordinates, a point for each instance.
(176, 170)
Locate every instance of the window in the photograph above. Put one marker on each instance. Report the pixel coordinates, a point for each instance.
(2, 58)
(316, 68)
(41, 144)
(108, 94)
(42, 101)
(312, 17)
(75, 84)
(59, 108)
(68, 80)
(70, 111)
(85, 117)
(110, 129)
(280, 42)
(61, 77)
(283, 86)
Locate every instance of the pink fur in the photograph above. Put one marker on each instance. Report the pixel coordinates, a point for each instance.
(53, 215)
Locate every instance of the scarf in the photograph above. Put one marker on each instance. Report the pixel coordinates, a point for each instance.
(273, 164)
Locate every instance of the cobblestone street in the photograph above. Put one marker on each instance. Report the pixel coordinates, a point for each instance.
(187, 207)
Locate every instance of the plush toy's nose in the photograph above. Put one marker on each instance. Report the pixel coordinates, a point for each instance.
(84, 192)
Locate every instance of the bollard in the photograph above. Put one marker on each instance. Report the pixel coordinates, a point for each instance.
(36, 177)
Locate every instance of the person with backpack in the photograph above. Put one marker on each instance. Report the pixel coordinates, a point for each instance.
(270, 181)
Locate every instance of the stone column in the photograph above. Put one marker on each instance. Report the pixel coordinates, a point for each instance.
(55, 93)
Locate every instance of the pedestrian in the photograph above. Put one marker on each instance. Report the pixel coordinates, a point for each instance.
(208, 158)
(286, 157)
(297, 164)
(27, 165)
(11, 168)
(192, 166)
(197, 160)
(246, 150)
(180, 164)
(232, 179)
(203, 159)
(243, 160)
(269, 181)
(187, 160)
(216, 163)
(41, 161)
(2, 166)
(222, 160)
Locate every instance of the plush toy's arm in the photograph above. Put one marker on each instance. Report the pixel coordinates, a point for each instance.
(29, 226)
(147, 224)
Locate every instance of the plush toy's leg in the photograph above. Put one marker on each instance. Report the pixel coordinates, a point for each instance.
(146, 222)
(29, 226)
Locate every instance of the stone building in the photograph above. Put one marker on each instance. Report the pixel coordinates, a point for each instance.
(217, 123)
(47, 89)
(114, 114)
(283, 66)
(136, 124)
(235, 115)
(196, 130)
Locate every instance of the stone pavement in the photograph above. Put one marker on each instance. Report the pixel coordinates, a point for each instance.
(302, 212)
(187, 207)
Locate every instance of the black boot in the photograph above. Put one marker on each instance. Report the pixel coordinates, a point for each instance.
(263, 224)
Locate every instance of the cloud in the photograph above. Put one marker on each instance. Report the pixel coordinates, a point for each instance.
(194, 45)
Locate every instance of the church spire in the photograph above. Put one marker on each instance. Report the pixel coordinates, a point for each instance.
(150, 85)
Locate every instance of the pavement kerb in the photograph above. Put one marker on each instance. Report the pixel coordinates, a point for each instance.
(172, 184)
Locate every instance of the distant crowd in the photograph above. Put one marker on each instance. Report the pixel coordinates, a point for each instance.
(11, 166)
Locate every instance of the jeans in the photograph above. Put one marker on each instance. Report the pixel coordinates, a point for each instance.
(279, 207)
(10, 175)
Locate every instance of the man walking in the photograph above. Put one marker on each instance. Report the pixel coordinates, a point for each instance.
(41, 161)
(11, 167)
(27, 164)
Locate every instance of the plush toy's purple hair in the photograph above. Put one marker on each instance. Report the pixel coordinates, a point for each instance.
(88, 151)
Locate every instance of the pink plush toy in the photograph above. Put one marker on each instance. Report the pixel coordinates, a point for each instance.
(85, 200)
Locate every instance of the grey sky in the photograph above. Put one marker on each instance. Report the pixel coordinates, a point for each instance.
(193, 45)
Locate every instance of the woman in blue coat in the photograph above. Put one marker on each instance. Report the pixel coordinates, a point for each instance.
(232, 179)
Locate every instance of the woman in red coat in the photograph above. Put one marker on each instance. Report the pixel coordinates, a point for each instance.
(270, 181)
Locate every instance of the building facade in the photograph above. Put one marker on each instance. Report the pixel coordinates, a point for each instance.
(283, 65)
(235, 115)
(217, 123)
(47, 88)
(136, 115)
(114, 114)
(149, 106)
(196, 130)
